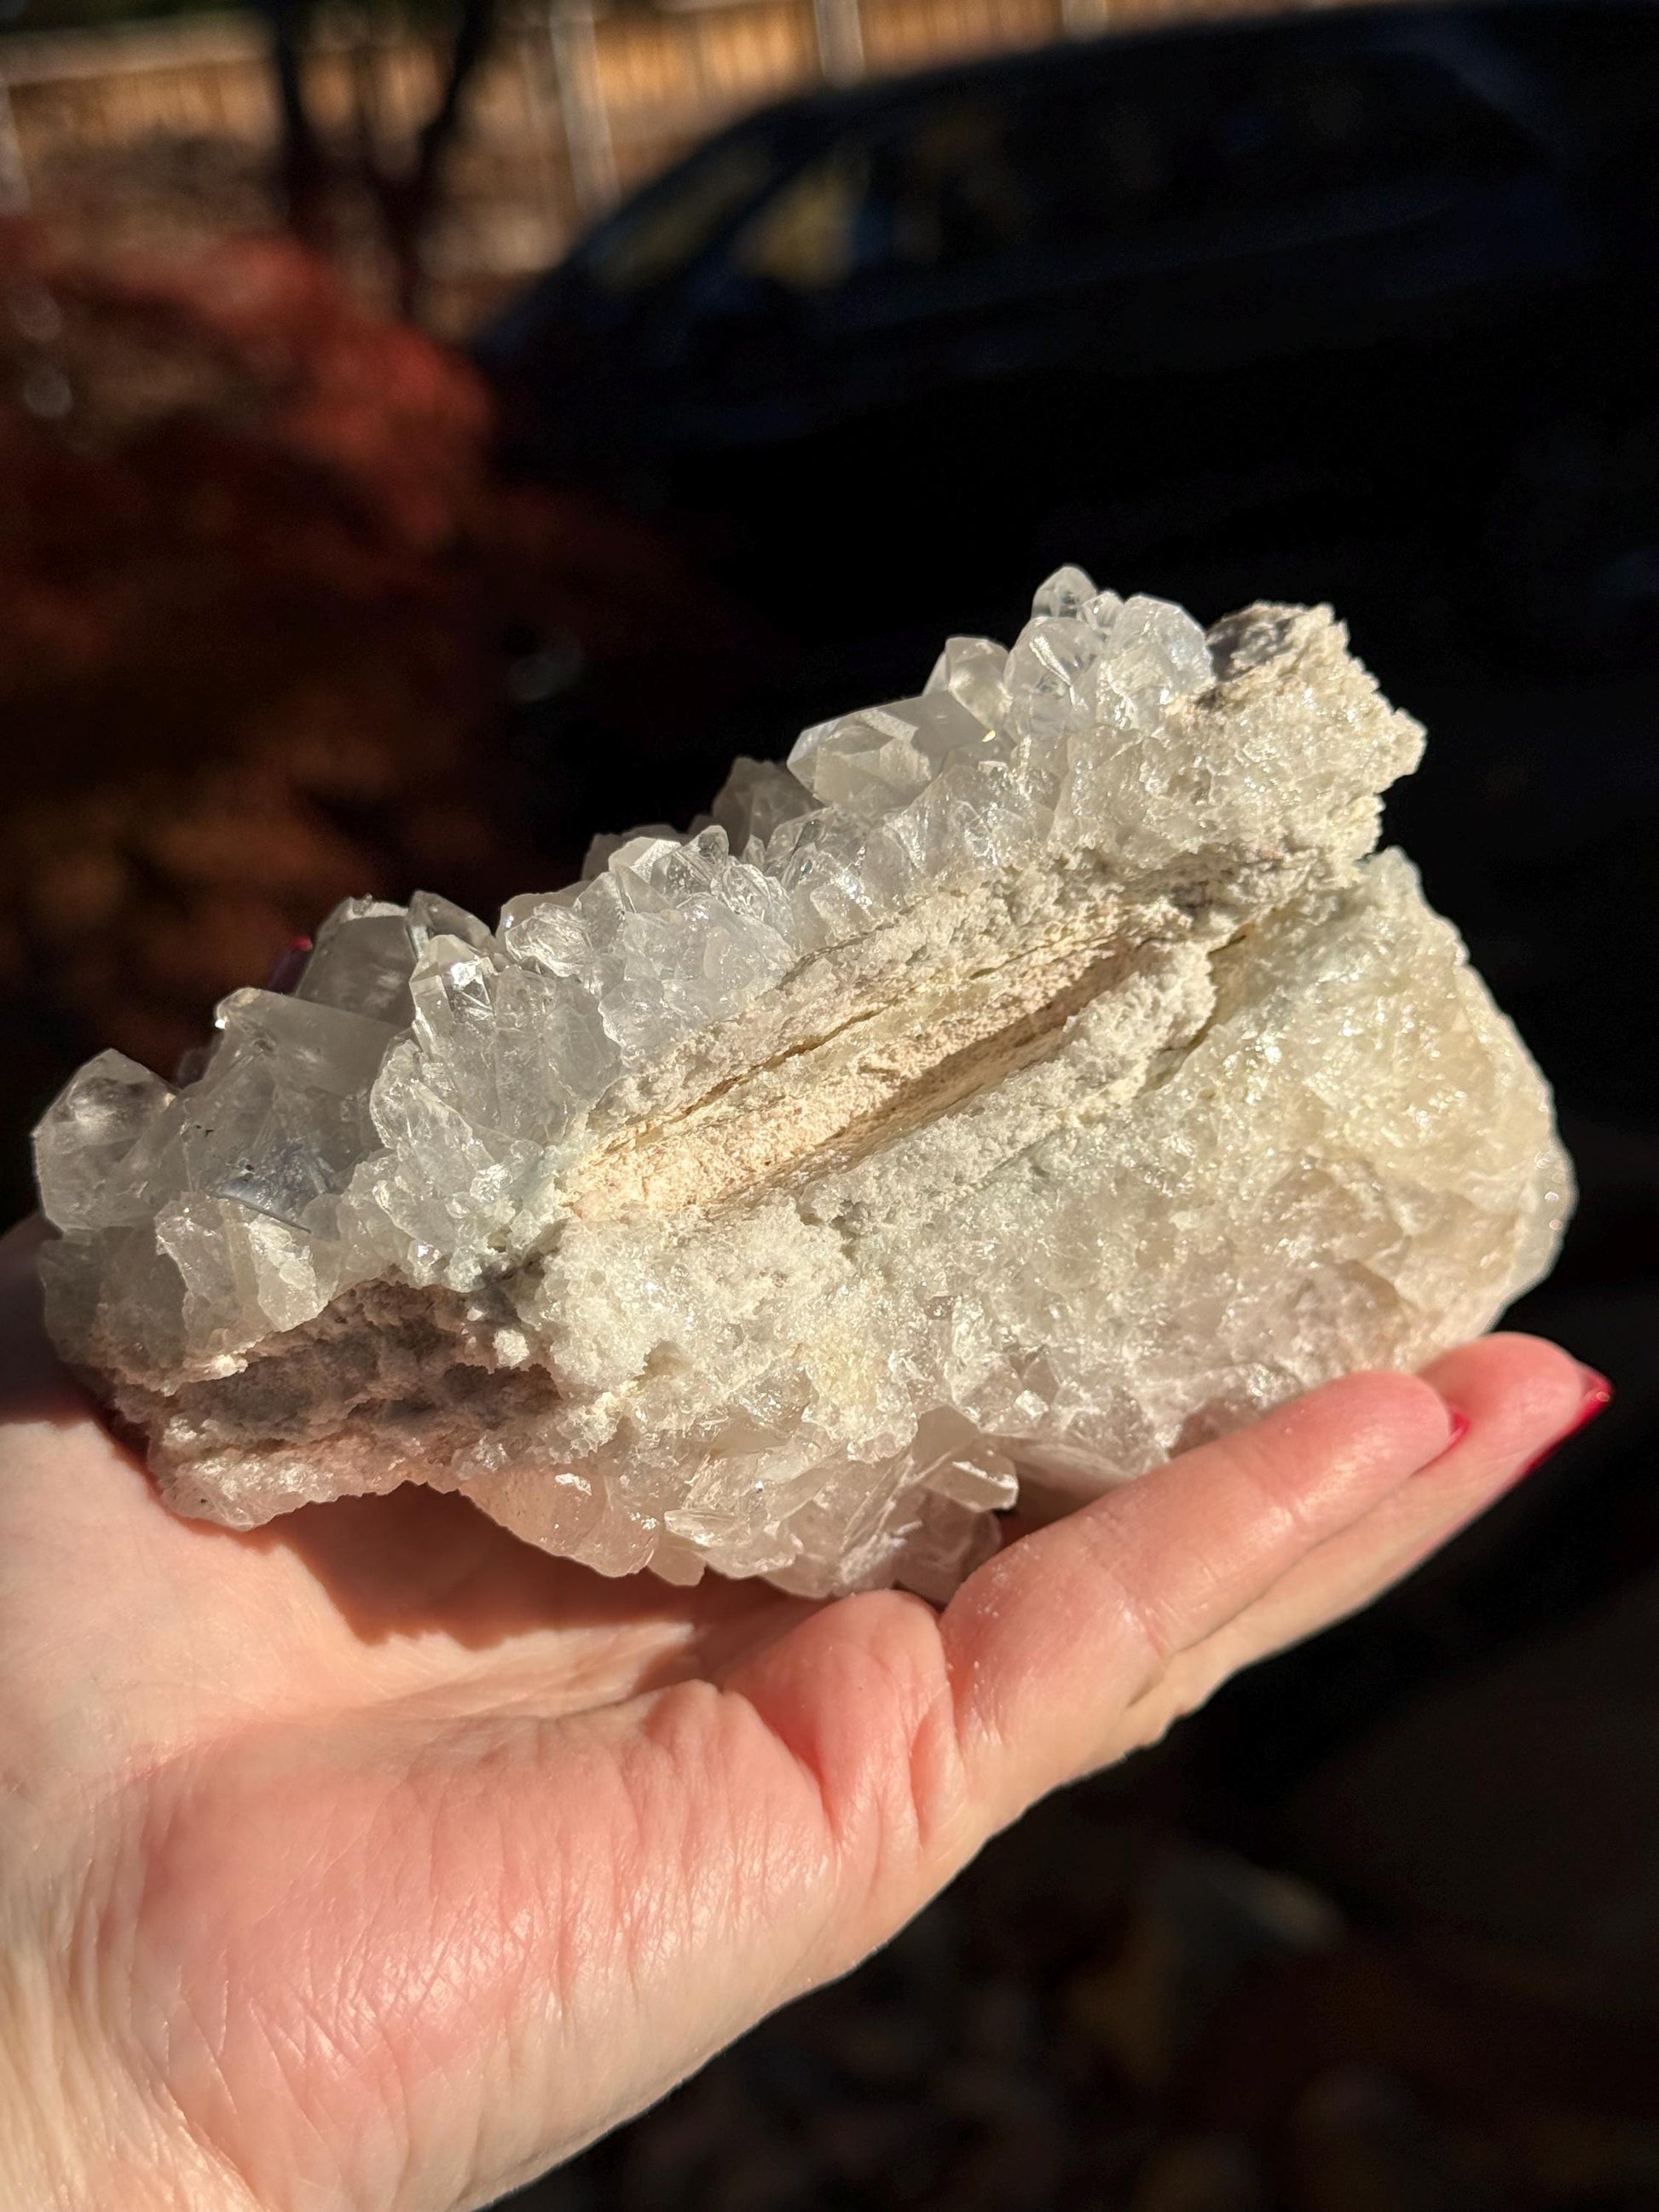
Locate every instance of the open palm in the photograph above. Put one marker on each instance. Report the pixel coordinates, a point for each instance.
(374, 1860)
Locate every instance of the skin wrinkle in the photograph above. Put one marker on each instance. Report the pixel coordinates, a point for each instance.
(681, 1727)
(98, 1948)
(186, 2119)
(404, 2075)
(902, 1822)
(293, 2059)
(992, 1725)
(1160, 1630)
(376, 2039)
(114, 2021)
(642, 1949)
(898, 1684)
(673, 1908)
(277, 2023)
(489, 1943)
(648, 1915)
(935, 1769)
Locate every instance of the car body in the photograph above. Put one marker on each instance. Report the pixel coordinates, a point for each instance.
(1137, 299)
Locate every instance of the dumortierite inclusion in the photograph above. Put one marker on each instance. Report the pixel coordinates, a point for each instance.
(1030, 1078)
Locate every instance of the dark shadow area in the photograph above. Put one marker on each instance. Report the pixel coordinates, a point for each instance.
(417, 1562)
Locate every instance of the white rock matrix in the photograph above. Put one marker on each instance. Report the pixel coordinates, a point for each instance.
(1029, 1079)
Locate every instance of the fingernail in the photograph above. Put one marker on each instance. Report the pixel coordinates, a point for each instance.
(1598, 1397)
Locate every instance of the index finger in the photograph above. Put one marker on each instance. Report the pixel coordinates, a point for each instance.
(1051, 1644)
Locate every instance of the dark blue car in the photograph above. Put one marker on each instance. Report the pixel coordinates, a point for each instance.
(1185, 304)
(1319, 180)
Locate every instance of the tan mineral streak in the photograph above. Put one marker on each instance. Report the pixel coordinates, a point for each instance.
(879, 1070)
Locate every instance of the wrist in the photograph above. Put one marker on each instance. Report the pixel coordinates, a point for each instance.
(70, 2168)
(76, 2136)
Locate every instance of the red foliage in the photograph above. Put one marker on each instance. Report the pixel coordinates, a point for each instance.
(256, 580)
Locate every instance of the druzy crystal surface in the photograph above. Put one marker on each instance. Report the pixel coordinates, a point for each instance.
(1032, 1077)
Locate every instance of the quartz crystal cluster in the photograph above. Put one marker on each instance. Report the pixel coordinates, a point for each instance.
(1028, 1080)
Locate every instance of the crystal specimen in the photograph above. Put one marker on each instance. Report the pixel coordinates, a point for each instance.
(1030, 1079)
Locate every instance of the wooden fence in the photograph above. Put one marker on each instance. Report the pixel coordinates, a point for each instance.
(162, 133)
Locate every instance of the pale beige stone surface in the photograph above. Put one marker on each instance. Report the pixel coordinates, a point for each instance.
(1034, 1077)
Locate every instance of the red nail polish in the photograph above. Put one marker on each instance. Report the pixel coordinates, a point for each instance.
(1598, 1397)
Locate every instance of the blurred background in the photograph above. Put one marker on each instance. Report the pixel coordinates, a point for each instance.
(430, 435)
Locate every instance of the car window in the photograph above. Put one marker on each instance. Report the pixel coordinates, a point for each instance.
(974, 177)
(810, 236)
(939, 189)
(666, 231)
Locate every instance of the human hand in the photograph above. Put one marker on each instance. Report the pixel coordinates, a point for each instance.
(372, 1862)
